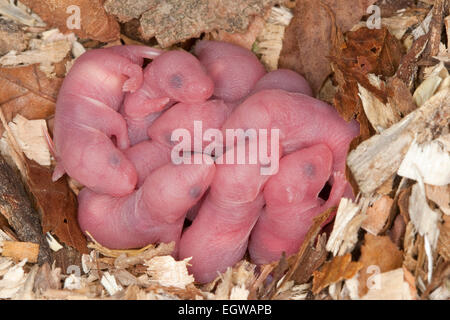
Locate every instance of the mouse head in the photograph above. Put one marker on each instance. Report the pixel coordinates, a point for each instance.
(315, 168)
(301, 177)
(181, 77)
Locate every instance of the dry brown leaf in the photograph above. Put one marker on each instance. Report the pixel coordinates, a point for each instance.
(389, 7)
(6, 229)
(57, 204)
(377, 215)
(308, 243)
(340, 268)
(444, 239)
(440, 195)
(403, 203)
(366, 52)
(307, 42)
(278, 273)
(377, 252)
(313, 258)
(27, 91)
(441, 276)
(439, 10)
(397, 232)
(95, 23)
(407, 70)
(172, 21)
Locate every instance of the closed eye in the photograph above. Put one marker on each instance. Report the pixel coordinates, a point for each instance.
(309, 170)
(176, 81)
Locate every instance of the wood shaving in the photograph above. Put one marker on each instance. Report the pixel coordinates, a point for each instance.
(270, 40)
(109, 282)
(345, 232)
(54, 245)
(19, 14)
(12, 281)
(391, 285)
(20, 250)
(380, 115)
(378, 158)
(377, 215)
(29, 135)
(239, 293)
(429, 160)
(168, 272)
(424, 219)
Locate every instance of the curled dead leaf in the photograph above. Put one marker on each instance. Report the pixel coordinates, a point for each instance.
(307, 43)
(28, 91)
(378, 255)
(86, 18)
(340, 268)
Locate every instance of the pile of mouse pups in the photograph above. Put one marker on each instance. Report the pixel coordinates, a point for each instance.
(113, 133)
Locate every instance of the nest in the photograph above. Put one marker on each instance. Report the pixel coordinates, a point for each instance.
(389, 71)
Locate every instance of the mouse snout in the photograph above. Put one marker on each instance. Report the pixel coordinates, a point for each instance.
(200, 90)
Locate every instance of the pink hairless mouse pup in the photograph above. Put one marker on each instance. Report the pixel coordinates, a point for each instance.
(86, 118)
(117, 130)
(174, 76)
(292, 201)
(233, 69)
(153, 213)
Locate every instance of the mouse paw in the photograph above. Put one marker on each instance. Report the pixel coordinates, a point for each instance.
(131, 85)
(339, 178)
(135, 79)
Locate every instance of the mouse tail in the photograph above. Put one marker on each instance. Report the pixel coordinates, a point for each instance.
(135, 53)
(59, 170)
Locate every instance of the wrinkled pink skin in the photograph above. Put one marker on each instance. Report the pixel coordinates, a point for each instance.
(86, 118)
(219, 234)
(292, 202)
(283, 79)
(279, 79)
(303, 121)
(233, 69)
(153, 213)
(149, 155)
(174, 76)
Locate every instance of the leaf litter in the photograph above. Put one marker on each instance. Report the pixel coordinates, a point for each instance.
(393, 80)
